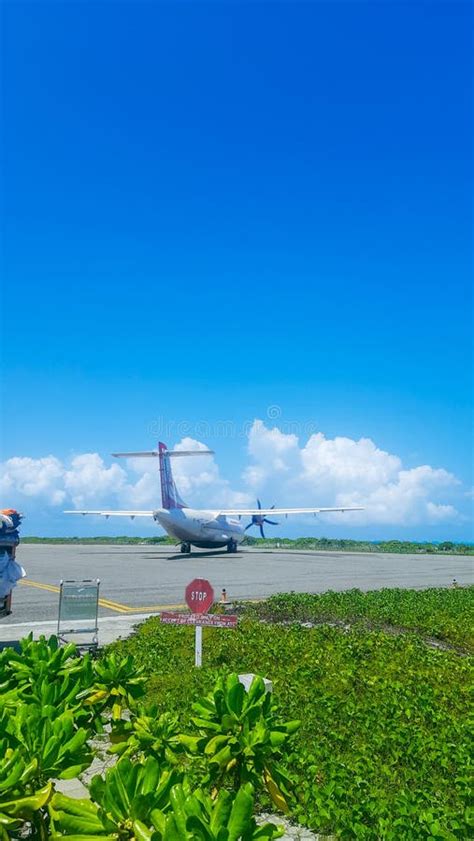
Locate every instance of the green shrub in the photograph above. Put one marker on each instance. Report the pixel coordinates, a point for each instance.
(442, 613)
(242, 737)
(383, 747)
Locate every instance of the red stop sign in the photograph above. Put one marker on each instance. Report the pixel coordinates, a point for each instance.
(199, 595)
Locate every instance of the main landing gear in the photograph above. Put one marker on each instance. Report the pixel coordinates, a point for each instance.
(185, 548)
(232, 546)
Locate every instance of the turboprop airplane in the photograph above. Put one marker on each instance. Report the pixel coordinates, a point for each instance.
(195, 527)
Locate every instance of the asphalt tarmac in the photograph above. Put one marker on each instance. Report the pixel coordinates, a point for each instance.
(138, 580)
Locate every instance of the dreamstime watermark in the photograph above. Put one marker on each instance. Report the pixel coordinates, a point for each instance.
(274, 412)
(167, 429)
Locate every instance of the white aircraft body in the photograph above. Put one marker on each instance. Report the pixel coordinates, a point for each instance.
(195, 527)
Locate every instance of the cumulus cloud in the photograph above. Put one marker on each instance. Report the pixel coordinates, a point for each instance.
(282, 470)
(356, 464)
(342, 471)
(33, 477)
(88, 479)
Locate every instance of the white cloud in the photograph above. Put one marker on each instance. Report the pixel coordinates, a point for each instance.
(33, 477)
(342, 471)
(273, 451)
(321, 471)
(342, 460)
(89, 479)
(409, 499)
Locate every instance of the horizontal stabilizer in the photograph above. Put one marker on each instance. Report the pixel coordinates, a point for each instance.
(176, 453)
(144, 454)
(168, 453)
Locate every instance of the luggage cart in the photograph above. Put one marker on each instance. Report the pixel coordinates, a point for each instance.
(78, 612)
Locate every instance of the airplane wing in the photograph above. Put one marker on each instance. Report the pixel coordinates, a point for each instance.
(130, 514)
(250, 512)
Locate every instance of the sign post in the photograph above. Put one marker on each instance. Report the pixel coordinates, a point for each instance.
(199, 597)
(198, 645)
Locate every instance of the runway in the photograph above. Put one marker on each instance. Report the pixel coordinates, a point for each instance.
(138, 580)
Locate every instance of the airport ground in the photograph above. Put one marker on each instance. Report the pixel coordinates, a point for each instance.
(136, 581)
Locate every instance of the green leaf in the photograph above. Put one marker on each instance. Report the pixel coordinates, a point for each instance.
(197, 829)
(73, 824)
(178, 805)
(241, 813)
(235, 698)
(141, 832)
(72, 771)
(73, 805)
(172, 832)
(24, 806)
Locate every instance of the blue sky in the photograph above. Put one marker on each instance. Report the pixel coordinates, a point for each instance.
(213, 209)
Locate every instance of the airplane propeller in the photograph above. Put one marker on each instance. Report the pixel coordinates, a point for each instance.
(259, 520)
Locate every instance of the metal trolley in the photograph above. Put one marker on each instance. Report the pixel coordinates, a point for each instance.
(78, 612)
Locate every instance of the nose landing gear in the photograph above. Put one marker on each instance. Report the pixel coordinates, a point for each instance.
(185, 548)
(232, 546)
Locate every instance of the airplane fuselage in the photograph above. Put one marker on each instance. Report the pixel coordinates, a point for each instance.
(204, 529)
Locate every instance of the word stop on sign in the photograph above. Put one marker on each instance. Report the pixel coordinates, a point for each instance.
(199, 595)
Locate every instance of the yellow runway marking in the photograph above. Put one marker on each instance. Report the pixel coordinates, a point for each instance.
(37, 584)
(106, 603)
(154, 607)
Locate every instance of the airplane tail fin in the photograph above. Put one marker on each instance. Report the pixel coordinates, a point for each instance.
(170, 497)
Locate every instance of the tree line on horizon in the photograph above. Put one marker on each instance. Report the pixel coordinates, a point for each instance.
(315, 543)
